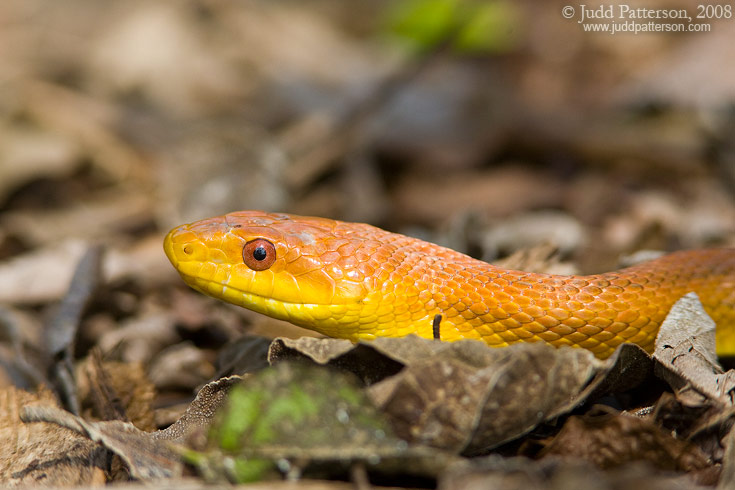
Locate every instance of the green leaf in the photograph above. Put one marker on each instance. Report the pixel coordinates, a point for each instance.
(231, 429)
(422, 23)
(490, 27)
(472, 26)
(245, 470)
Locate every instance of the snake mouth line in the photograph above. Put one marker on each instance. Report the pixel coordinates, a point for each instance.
(194, 281)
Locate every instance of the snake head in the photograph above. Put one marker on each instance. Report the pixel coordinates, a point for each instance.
(269, 263)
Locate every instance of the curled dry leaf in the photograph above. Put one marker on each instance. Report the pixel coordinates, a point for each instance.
(685, 351)
(701, 407)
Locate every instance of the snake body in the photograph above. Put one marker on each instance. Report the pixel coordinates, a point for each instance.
(356, 281)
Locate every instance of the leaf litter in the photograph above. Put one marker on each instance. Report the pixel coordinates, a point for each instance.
(460, 400)
(95, 147)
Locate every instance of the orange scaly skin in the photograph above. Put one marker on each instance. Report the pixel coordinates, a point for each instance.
(355, 281)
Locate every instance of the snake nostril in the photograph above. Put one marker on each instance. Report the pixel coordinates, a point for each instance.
(188, 249)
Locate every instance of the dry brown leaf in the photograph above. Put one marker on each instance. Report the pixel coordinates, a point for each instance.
(542, 258)
(245, 354)
(701, 407)
(145, 457)
(204, 175)
(685, 351)
(139, 338)
(609, 440)
(498, 193)
(117, 391)
(534, 229)
(323, 55)
(180, 366)
(89, 121)
(445, 402)
(91, 218)
(159, 50)
(687, 328)
(29, 154)
(434, 403)
(628, 368)
(699, 420)
(43, 454)
(140, 261)
(364, 359)
(677, 77)
(706, 216)
(44, 273)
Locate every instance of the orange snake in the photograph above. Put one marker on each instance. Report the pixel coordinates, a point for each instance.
(355, 281)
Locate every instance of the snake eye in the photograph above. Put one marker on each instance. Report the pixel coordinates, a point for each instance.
(259, 254)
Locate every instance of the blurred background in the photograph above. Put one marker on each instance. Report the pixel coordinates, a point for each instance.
(487, 126)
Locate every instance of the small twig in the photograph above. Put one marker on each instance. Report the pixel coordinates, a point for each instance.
(436, 327)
